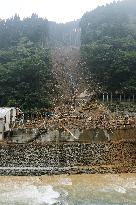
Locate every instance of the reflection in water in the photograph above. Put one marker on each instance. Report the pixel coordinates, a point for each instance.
(69, 190)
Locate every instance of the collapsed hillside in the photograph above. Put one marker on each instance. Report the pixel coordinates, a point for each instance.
(69, 78)
(68, 71)
(75, 100)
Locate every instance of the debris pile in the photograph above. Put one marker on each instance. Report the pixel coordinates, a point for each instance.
(68, 73)
(75, 104)
(85, 115)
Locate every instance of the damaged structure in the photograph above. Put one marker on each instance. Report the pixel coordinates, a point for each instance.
(8, 118)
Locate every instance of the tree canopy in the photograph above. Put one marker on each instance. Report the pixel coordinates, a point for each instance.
(108, 40)
(25, 63)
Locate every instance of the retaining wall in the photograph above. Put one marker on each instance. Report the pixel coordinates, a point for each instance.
(37, 159)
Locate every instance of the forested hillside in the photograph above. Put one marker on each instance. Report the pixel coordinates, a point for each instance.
(109, 45)
(27, 48)
(34, 28)
(26, 74)
(25, 63)
(67, 34)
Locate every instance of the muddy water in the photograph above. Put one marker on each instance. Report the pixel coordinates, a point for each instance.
(69, 190)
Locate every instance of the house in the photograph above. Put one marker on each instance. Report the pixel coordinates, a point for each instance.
(8, 118)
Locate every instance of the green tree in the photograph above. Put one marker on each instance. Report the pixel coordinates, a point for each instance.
(108, 38)
(25, 76)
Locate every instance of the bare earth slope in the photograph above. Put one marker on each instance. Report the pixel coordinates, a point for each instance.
(69, 78)
(75, 104)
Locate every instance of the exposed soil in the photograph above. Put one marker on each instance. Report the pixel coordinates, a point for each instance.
(75, 99)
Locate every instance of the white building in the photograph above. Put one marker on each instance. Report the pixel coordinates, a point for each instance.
(8, 117)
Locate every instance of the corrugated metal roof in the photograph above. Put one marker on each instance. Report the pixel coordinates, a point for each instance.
(4, 111)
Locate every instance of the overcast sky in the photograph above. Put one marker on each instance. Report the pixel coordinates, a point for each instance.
(54, 10)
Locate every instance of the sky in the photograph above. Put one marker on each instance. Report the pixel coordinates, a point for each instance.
(54, 10)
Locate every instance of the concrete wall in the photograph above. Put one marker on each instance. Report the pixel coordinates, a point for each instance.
(1, 128)
(62, 158)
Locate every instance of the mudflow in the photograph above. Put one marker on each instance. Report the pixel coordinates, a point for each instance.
(69, 78)
(75, 103)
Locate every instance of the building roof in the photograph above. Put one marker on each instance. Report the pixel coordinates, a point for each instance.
(4, 111)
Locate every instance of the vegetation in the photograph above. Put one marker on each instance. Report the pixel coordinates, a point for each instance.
(108, 48)
(109, 45)
(25, 63)
(67, 34)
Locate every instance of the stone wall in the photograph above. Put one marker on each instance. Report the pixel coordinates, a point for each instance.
(29, 159)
